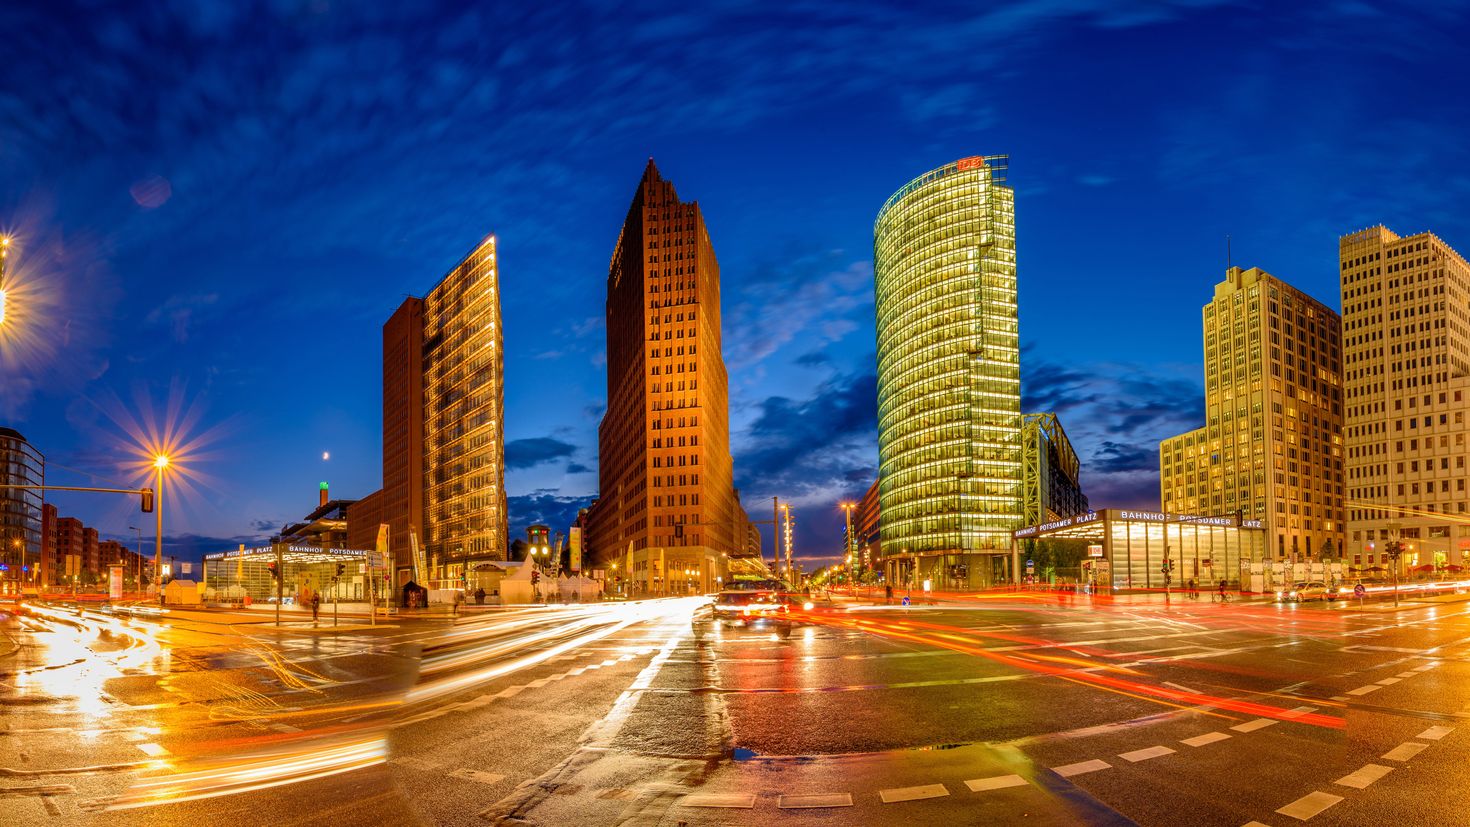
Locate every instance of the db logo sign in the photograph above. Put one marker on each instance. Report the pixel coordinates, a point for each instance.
(975, 162)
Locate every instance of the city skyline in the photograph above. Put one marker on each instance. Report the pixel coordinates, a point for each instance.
(138, 236)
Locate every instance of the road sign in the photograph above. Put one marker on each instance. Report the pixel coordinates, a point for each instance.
(905, 600)
(1359, 591)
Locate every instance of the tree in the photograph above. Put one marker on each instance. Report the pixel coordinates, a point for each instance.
(518, 549)
(1329, 550)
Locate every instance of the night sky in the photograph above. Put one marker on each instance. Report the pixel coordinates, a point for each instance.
(218, 204)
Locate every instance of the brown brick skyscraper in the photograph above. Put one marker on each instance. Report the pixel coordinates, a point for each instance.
(667, 512)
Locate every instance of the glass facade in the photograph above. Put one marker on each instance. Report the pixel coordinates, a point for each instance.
(1135, 544)
(464, 414)
(949, 415)
(20, 509)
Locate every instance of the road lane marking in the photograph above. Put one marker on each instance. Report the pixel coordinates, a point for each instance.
(1435, 733)
(731, 801)
(999, 782)
(1182, 688)
(1409, 674)
(1405, 751)
(1364, 690)
(1340, 698)
(1309, 805)
(1255, 824)
(1365, 776)
(1069, 770)
(1145, 754)
(1207, 738)
(1426, 666)
(1389, 681)
(152, 750)
(814, 801)
(898, 794)
(1252, 726)
(1298, 711)
(510, 692)
(477, 775)
(279, 727)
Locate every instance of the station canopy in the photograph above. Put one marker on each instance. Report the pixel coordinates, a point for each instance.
(292, 554)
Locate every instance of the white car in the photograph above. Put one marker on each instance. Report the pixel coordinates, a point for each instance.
(1300, 592)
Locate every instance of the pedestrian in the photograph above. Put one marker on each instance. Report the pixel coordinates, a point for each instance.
(1222, 591)
(480, 596)
(887, 593)
(316, 606)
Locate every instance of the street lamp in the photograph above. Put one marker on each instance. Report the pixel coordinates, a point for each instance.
(160, 462)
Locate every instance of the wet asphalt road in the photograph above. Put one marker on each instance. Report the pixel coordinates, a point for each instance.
(1011, 709)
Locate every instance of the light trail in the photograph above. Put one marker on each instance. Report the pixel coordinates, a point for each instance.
(1156, 694)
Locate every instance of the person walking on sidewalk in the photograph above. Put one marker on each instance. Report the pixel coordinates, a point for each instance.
(316, 606)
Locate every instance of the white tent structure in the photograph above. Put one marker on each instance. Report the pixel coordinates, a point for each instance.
(579, 589)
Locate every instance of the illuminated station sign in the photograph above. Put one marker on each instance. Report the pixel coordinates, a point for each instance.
(1134, 517)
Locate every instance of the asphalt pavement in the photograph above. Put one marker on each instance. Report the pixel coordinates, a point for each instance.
(1007, 708)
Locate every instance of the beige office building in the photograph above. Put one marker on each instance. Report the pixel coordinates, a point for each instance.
(1406, 346)
(1272, 445)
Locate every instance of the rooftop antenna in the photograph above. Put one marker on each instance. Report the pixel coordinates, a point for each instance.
(1229, 261)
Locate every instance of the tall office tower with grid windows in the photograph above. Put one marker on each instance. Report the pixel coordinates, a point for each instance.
(1272, 445)
(443, 429)
(949, 387)
(666, 513)
(1406, 344)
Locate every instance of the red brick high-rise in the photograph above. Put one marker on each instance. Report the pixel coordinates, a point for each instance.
(667, 511)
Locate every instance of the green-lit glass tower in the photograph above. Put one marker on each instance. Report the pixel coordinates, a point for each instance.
(949, 385)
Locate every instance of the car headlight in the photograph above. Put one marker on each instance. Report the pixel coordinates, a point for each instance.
(1293, 594)
(808, 606)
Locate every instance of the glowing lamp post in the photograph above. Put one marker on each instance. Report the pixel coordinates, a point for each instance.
(160, 462)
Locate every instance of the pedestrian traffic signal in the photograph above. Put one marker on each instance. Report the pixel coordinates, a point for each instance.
(147, 500)
(341, 567)
(535, 577)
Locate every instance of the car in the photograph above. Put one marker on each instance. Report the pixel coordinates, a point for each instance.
(1300, 592)
(758, 608)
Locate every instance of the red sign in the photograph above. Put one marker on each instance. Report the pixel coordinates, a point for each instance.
(975, 162)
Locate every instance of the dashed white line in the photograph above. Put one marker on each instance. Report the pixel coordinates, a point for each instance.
(1207, 738)
(1252, 726)
(1309, 805)
(1341, 698)
(814, 801)
(1389, 681)
(898, 794)
(1069, 770)
(1298, 711)
(1405, 751)
(733, 801)
(152, 750)
(1365, 776)
(999, 782)
(1426, 666)
(477, 775)
(1364, 690)
(1145, 754)
(1435, 733)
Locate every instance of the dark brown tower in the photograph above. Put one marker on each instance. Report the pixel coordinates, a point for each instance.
(664, 442)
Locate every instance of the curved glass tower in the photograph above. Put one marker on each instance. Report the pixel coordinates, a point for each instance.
(949, 387)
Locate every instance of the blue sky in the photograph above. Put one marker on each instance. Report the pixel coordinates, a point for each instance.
(218, 204)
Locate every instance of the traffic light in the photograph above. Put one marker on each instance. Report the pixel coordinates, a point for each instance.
(274, 569)
(341, 567)
(535, 577)
(147, 500)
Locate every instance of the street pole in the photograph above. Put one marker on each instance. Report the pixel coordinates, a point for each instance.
(336, 598)
(280, 578)
(159, 463)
